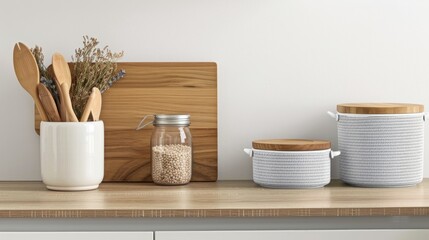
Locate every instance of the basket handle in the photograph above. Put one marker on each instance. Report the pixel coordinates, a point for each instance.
(425, 116)
(334, 115)
(248, 151)
(334, 154)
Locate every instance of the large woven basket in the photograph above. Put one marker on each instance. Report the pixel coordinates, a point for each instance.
(291, 169)
(381, 150)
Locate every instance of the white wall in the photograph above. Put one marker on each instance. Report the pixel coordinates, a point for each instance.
(282, 63)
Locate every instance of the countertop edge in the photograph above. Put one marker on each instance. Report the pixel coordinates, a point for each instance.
(222, 199)
(219, 213)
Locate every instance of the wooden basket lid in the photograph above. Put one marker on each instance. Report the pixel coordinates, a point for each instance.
(291, 144)
(379, 108)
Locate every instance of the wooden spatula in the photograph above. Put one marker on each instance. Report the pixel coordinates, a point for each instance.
(93, 106)
(27, 72)
(70, 115)
(62, 75)
(48, 103)
(61, 109)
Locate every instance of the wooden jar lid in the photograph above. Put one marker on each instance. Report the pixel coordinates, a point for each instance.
(291, 144)
(379, 108)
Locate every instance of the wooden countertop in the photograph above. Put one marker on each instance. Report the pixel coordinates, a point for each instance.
(215, 199)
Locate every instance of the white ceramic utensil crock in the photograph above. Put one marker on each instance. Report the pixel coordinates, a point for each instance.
(72, 155)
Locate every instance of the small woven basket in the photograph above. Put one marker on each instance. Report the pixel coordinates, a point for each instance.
(291, 169)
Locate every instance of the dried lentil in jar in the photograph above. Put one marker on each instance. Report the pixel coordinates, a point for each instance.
(171, 164)
(171, 149)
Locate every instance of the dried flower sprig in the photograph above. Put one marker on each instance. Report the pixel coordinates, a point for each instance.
(114, 79)
(46, 77)
(40, 58)
(93, 67)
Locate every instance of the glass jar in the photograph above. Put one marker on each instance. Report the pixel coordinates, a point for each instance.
(171, 149)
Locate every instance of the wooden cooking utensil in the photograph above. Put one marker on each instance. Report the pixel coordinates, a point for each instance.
(27, 72)
(70, 115)
(62, 75)
(93, 106)
(48, 103)
(61, 111)
(61, 69)
(88, 107)
(96, 107)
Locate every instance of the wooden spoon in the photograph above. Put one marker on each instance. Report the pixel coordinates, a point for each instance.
(62, 75)
(27, 72)
(61, 69)
(48, 103)
(66, 101)
(93, 106)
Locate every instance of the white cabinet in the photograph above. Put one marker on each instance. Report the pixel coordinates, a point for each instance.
(296, 235)
(405, 234)
(76, 235)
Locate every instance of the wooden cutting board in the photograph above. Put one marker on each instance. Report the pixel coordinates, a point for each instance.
(151, 88)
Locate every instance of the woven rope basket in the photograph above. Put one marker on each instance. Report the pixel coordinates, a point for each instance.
(289, 169)
(381, 150)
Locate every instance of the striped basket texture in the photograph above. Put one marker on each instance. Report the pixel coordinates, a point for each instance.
(381, 151)
(288, 169)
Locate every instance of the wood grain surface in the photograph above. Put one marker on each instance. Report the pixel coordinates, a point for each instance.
(291, 144)
(48, 103)
(210, 199)
(380, 108)
(158, 88)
